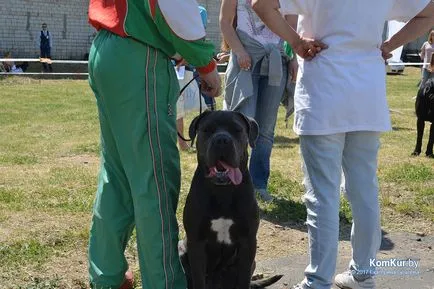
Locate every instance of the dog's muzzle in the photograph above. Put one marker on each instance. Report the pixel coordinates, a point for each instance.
(220, 178)
(229, 175)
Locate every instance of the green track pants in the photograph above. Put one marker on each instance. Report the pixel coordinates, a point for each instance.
(136, 91)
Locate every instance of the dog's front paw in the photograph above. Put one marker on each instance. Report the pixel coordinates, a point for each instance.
(415, 153)
(431, 155)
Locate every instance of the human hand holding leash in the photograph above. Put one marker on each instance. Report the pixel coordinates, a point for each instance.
(210, 83)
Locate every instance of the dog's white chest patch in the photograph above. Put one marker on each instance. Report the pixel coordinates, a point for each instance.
(221, 227)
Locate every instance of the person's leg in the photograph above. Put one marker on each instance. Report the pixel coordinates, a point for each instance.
(210, 102)
(50, 67)
(183, 145)
(23, 66)
(157, 191)
(429, 147)
(322, 157)
(113, 213)
(142, 108)
(343, 190)
(113, 218)
(267, 107)
(425, 76)
(44, 55)
(289, 101)
(360, 166)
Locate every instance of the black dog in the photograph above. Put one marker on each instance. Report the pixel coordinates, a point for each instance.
(425, 112)
(221, 215)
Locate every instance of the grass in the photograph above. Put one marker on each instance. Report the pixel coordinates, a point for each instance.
(409, 173)
(49, 158)
(287, 206)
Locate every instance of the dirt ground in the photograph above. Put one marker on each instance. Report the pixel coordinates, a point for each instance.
(68, 269)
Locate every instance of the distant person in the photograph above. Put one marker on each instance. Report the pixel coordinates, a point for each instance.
(2, 67)
(203, 15)
(426, 53)
(45, 43)
(210, 101)
(189, 92)
(431, 67)
(255, 79)
(11, 67)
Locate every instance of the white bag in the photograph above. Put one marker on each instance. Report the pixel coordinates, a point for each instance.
(190, 99)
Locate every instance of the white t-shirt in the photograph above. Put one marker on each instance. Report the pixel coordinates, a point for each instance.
(343, 88)
(428, 51)
(249, 22)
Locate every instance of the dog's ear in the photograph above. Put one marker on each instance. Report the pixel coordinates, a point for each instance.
(195, 124)
(429, 85)
(252, 129)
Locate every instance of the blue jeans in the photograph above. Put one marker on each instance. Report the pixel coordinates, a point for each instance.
(263, 106)
(324, 157)
(210, 101)
(426, 74)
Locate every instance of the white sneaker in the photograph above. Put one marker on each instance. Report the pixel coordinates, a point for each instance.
(346, 280)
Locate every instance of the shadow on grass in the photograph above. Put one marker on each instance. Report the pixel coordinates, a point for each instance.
(398, 128)
(283, 141)
(285, 213)
(288, 210)
(345, 235)
(292, 214)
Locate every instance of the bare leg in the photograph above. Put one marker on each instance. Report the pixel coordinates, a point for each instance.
(183, 145)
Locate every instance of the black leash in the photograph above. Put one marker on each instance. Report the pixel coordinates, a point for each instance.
(200, 102)
(200, 99)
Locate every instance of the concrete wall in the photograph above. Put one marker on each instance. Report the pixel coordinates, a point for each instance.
(213, 29)
(20, 24)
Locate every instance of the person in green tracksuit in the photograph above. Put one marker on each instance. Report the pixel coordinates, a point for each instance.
(136, 89)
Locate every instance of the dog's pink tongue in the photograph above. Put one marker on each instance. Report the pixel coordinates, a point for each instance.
(234, 174)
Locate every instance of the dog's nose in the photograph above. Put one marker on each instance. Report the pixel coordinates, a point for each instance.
(222, 139)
